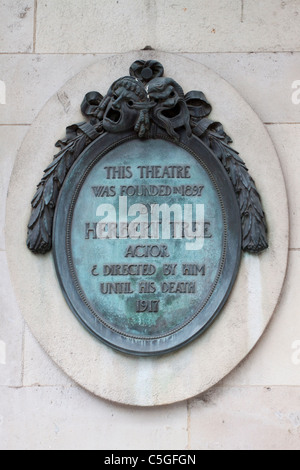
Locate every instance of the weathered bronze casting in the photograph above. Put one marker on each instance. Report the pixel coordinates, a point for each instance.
(148, 208)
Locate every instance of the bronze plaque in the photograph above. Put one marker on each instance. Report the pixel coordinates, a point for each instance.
(151, 209)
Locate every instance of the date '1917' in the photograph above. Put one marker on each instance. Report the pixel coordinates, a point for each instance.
(150, 306)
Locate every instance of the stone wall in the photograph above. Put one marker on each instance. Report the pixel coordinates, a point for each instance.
(255, 46)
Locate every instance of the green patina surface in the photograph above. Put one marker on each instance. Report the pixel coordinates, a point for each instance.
(118, 175)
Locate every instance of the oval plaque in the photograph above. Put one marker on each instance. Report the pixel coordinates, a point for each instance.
(147, 241)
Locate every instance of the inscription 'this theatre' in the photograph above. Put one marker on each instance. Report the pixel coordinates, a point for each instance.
(148, 172)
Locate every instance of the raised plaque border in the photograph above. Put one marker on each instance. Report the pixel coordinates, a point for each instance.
(229, 262)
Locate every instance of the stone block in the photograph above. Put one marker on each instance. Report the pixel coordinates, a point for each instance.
(206, 26)
(68, 418)
(11, 331)
(39, 370)
(93, 26)
(270, 25)
(287, 142)
(11, 138)
(275, 359)
(250, 418)
(17, 26)
(31, 80)
(264, 80)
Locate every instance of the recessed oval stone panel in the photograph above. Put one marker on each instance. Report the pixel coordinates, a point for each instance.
(189, 371)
